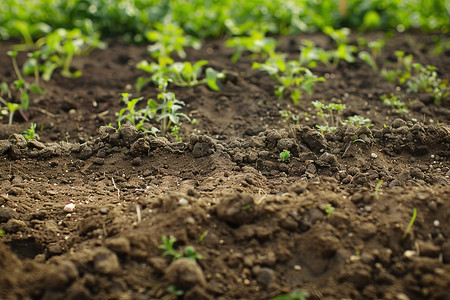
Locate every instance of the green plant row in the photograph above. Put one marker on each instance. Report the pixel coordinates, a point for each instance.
(210, 18)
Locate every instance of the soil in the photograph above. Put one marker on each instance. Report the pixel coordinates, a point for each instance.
(262, 226)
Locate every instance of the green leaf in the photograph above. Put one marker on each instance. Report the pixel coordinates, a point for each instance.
(211, 78)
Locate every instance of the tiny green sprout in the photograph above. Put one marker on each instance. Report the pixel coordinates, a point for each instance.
(194, 121)
(393, 101)
(12, 108)
(377, 188)
(329, 210)
(426, 80)
(173, 290)
(167, 246)
(411, 222)
(203, 236)
(30, 134)
(2, 232)
(189, 253)
(292, 78)
(368, 59)
(247, 207)
(285, 155)
(256, 43)
(295, 295)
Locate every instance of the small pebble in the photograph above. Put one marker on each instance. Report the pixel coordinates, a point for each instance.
(297, 268)
(436, 223)
(183, 202)
(69, 207)
(409, 253)
(373, 155)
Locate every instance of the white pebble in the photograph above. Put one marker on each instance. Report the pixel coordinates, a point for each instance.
(183, 202)
(436, 223)
(373, 155)
(69, 207)
(409, 253)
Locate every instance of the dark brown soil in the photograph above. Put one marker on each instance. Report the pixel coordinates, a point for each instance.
(262, 226)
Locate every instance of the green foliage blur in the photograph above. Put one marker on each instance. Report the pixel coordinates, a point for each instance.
(132, 19)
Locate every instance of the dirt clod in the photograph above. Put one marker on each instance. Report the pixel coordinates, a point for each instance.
(185, 273)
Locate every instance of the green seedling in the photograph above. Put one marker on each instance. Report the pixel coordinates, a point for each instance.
(377, 189)
(403, 70)
(169, 38)
(285, 155)
(12, 108)
(167, 246)
(257, 44)
(59, 47)
(295, 295)
(21, 84)
(426, 80)
(330, 115)
(31, 67)
(289, 116)
(189, 253)
(169, 110)
(175, 132)
(357, 121)
(376, 47)
(2, 232)
(344, 51)
(30, 133)
(203, 236)
(173, 291)
(130, 114)
(368, 59)
(411, 222)
(329, 210)
(310, 55)
(292, 78)
(393, 101)
(180, 73)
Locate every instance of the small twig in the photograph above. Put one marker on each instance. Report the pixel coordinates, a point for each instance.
(115, 186)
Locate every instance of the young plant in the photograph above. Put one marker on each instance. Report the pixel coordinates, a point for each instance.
(285, 155)
(256, 43)
(289, 116)
(392, 101)
(403, 70)
(377, 189)
(292, 78)
(330, 115)
(59, 48)
(310, 55)
(190, 253)
(130, 114)
(368, 59)
(329, 210)
(180, 73)
(169, 38)
(11, 108)
(169, 110)
(357, 121)
(30, 133)
(411, 222)
(344, 51)
(426, 80)
(167, 246)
